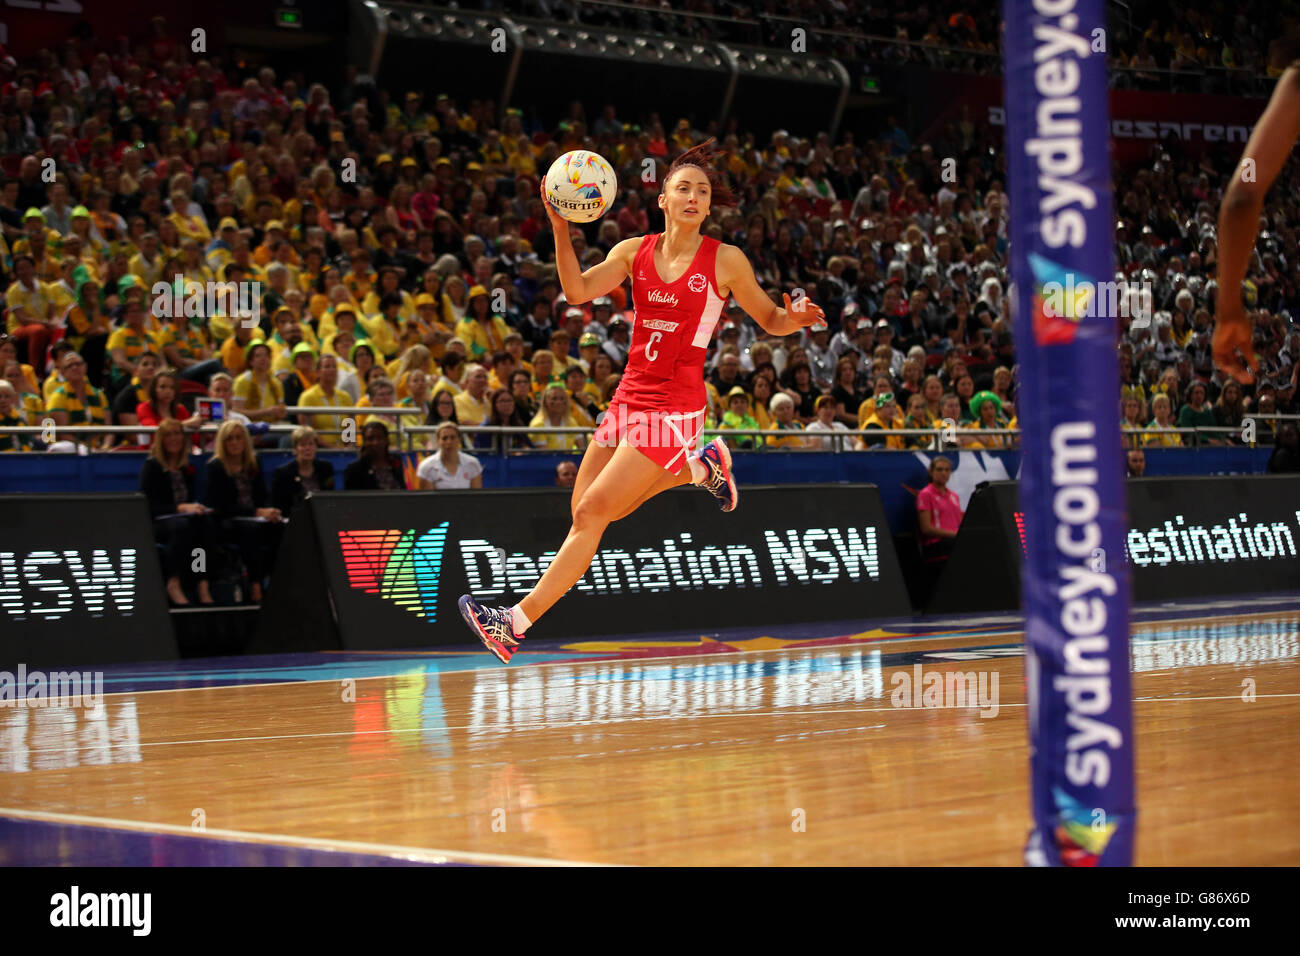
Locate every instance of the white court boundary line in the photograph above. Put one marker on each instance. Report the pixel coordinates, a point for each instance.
(661, 659)
(253, 837)
(635, 718)
(431, 855)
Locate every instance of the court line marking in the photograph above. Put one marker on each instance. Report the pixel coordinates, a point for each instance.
(898, 639)
(614, 720)
(427, 854)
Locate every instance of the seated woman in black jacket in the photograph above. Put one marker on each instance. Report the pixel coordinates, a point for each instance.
(293, 481)
(180, 523)
(237, 493)
(375, 469)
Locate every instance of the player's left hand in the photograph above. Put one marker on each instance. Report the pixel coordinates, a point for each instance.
(808, 313)
(1232, 334)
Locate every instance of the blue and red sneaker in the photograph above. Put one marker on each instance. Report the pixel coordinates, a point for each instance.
(494, 626)
(716, 457)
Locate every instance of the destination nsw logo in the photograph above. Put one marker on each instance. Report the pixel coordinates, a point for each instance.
(50, 585)
(399, 566)
(808, 556)
(404, 566)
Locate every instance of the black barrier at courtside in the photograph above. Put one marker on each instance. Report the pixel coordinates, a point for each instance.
(1187, 537)
(384, 570)
(80, 582)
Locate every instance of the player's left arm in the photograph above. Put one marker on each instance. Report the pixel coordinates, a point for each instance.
(736, 275)
(1268, 149)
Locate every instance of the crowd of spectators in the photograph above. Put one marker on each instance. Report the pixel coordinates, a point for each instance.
(405, 263)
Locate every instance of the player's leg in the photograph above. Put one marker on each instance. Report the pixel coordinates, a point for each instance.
(666, 481)
(594, 460)
(709, 468)
(625, 479)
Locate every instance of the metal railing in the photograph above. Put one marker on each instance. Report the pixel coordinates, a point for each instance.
(943, 437)
(771, 31)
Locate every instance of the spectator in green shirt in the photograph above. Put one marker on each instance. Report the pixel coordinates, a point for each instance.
(738, 416)
(1195, 413)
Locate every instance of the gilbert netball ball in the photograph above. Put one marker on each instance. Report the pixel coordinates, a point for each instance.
(580, 185)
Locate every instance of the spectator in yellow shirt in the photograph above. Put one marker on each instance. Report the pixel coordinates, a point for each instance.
(258, 393)
(556, 411)
(284, 343)
(343, 318)
(128, 343)
(503, 366)
(147, 264)
(234, 350)
(515, 346)
(1162, 410)
(359, 279)
(389, 282)
(31, 311)
(482, 332)
(221, 249)
(271, 239)
(782, 407)
(35, 229)
(192, 265)
(586, 406)
(77, 402)
(416, 358)
(544, 370)
(30, 404)
(10, 415)
(326, 394)
(472, 406)
(885, 415)
(241, 258)
(424, 328)
(385, 327)
(186, 348)
(189, 227)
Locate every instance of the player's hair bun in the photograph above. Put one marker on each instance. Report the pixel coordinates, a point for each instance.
(703, 158)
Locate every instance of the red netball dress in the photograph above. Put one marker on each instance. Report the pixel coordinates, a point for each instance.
(660, 404)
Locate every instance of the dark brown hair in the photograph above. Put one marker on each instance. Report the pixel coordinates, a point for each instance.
(702, 157)
(153, 393)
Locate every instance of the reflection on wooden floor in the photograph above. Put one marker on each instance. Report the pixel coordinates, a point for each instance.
(785, 756)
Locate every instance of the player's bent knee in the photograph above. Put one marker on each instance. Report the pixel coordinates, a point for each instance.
(593, 511)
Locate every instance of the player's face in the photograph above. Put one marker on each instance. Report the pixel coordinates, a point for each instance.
(686, 196)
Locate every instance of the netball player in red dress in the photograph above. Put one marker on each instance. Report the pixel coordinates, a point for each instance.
(644, 445)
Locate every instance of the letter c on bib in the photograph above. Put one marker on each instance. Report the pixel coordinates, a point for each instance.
(654, 337)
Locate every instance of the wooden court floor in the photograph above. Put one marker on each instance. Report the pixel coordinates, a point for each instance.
(787, 755)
